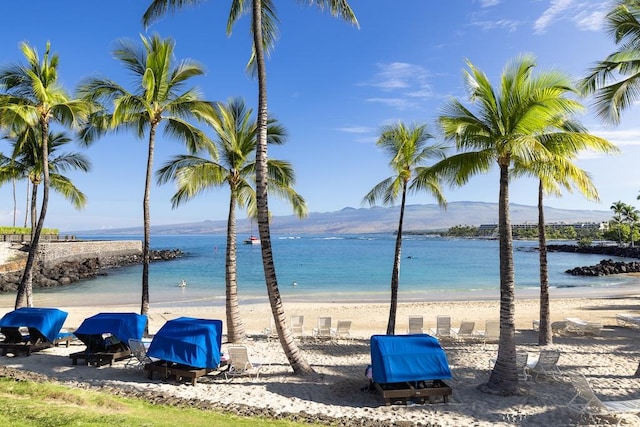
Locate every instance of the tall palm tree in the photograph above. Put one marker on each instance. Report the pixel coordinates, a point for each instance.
(236, 141)
(615, 81)
(408, 150)
(505, 128)
(264, 31)
(630, 215)
(33, 97)
(26, 163)
(157, 102)
(618, 208)
(564, 142)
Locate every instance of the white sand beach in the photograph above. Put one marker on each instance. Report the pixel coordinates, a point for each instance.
(608, 361)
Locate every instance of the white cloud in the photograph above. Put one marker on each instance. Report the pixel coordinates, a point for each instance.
(356, 129)
(408, 83)
(628, 137)
(489, 3)
(508, 24)
(586, 15)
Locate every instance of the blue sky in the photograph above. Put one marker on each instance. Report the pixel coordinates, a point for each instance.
(332, 85)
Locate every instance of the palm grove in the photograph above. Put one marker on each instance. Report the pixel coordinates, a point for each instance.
(524, 126)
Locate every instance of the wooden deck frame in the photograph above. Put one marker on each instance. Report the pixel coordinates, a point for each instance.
(175, 370)
(99, 358)
(405, 391)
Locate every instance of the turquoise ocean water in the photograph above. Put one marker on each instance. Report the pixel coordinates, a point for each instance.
(327, 268)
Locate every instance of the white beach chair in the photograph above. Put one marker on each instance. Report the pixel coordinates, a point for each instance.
(586, 403)
(416, 324)
(323, 330)
(297, 326)
(628, 320)
(491, 333)
(545, 363)
(343, 330)
(582, 327)
(240, 364)
(465, 331)
(443, 327)
(521, 365)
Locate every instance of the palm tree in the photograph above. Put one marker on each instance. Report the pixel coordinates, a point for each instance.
(505, 129)
(408, 151)
(236, 141)
(34, 98)
(264, 31)
(615, 81)
(563, 143)
(157, 99)
(26, 163)
(618, 208)
(630, 215)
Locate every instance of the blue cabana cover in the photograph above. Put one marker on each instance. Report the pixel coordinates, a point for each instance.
(189, 341)
(48, 321)
(399, 358)
(122, 325)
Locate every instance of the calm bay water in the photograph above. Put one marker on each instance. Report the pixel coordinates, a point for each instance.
(326, 268)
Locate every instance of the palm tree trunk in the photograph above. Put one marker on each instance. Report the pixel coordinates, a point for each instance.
(25, 288)
(395, 274)
(293, 353)
(26, 211)
(545, 335)
(144, 306)
(504, 376)
(33, 209)
(15, 205)
(235, 327)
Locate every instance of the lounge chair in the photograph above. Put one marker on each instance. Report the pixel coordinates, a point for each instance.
(139, 355)
(585, 402)
(443, 327)
(628, 320)
(491, 333)
(416, 324)
(270, 332)
(582, 327)
(545, 363)
(297, 326)
(343, 330)
(465, 331)
(239, 362)
(30, 329)
(323, 330)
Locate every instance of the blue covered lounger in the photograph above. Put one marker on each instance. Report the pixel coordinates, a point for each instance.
(186, 347)
(409, 367)
(107, 335)
(43, 324)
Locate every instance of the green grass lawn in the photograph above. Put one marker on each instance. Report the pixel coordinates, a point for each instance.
(26, 403)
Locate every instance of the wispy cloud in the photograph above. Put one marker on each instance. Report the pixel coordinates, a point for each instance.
(505, 24)
(626, 137)
(489, 3)
(585, 15)
(356, 129)
(406, 84)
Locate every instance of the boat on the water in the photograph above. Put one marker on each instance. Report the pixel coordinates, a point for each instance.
(253, 240)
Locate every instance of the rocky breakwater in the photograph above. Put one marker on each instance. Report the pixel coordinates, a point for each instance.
(606, 266)
(65, 272)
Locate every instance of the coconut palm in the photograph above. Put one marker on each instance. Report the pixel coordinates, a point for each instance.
(26, 163)
(506, 127)
(630, 215)
(157, 102)
(33, 97)
(615, 81)
(408, 150)
(618, 220)
(236, 141)
(564, 142)
(264, 32)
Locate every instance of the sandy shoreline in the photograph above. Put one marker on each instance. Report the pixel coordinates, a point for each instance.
(609, 362)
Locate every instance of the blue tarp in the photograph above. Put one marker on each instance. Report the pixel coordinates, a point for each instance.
(399, 358)
(189, 341)
(48, 321)
(121, 325)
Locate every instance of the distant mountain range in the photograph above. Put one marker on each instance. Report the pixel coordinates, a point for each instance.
(378, 220)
